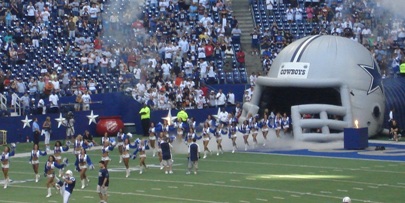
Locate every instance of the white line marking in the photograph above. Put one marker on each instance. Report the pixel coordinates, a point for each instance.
(278, 197)
(263, 200)
(243, 201)
(232, 180)
(173, 187)
(295, 196)
(342, 190)
(220, 182)
(375, 187)
(326, 192)
(187, 185)
(156, 189)
(140, 191)
(89, 197)
(358, 188)
(12, 201)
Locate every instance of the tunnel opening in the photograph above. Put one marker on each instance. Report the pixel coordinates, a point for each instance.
(280, 99)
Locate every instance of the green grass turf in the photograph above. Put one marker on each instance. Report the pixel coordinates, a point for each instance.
(239, 177)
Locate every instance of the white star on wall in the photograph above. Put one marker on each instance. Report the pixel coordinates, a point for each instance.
(217, 116)
(60, 120)
(92, 118)
(169, 117)
(26, 122)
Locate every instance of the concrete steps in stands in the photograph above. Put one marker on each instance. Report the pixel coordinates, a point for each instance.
(243, 14)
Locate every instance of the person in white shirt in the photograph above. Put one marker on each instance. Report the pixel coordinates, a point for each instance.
(184, 46)
(86, 101)
(54, 99)
(223, 116)
(166, 67)
(298, 14)
(203, 68)
(93, 11)
(231, 98)
(56, 85)
(188, 68)
(220, 98)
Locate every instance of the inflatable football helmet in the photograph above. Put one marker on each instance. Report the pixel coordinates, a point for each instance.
(326, 83)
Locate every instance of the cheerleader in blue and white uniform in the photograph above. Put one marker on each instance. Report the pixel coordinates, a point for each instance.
(190, 135)
(232, 135)
(192, 123)
(141, 149)
(78, 145)
(180, 129)
(83, 162)
(285, 121)
(221, 131)
(125, 155)
(5, 163)
(120, 141)
(264, 125)
(58, 149)
(277, 124)
(152, 138)
(50, 166)
(254, 129)
(105, 151)
(34, 159)
(245, 130)
(206, 137)
(105, 138)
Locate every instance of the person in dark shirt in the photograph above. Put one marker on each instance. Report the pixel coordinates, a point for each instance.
(166, 155)
(193, 156)
(394, 130)
(103, 182)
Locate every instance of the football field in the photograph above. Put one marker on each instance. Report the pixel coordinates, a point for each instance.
(237, 178)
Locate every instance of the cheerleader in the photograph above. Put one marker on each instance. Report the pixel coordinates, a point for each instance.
(159, 149)
(190, 135)
(83, 162)
(245, 130)
(152, 138)
(105, 151)
(206, 138)
(57, 151)
(5, 164)
(120, 142)
(34, 160)
(50, 165)
(142, 147)
(221, 130)
(105, 138)
(285, 123)
(78, 145)
(125, 155)
(254, 129)
(180, 129)
(233, 136)
(192, 123)
(277, 124)
(264, 124)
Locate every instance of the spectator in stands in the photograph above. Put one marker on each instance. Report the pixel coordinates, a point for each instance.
(240, 57)
(255, 41)
(229, 54)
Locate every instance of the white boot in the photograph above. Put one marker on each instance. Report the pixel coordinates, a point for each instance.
(120, 159)
(161, 166)
(83, 183)
(246, 147)
(60, 172)
(49, 192)
(154, 152)
(233, 149)
(36, 178)
(6, 183)
(205, 154)
(128, 172)
(141, 170)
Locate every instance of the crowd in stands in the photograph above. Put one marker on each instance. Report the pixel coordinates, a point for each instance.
(368, 22)
(167, 52)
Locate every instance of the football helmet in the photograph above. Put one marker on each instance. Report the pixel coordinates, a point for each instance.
(333, 79)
